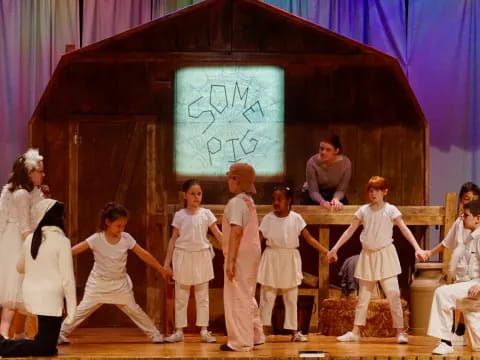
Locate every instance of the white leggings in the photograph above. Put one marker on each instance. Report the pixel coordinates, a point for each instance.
(182, 293)
(267, 301)
(392, 292)
(87, 306)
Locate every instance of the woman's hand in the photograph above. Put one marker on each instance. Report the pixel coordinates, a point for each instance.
(336, 204)
(332, 256)
(325, 204)
(167, 272)
(474, 291)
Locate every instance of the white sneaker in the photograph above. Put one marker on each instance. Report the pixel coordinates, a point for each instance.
(299, 337)
(175, 337)
(402, 338)
(207, 337)
(442, 349)
(158, 339)
(349, 337)
(62, 339)
(458, 340)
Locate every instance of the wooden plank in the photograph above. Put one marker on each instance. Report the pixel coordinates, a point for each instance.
(450, 216)
(323, 266)
(391, 161)
(154, 289)
(132, 155)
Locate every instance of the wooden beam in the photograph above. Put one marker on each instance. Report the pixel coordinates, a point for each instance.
(450, 216)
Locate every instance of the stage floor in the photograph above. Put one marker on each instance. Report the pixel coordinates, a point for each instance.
(121, 343)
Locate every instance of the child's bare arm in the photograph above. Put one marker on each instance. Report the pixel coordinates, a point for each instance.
(313, 242)
(419, 253)
(148, 258)
(347, 234)
(171, 246)
(217, 233)
(80, 247)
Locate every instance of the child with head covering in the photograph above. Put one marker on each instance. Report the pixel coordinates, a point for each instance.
(241, 248)
(46, 262)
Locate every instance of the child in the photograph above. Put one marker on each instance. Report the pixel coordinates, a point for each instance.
(456, 241)
(281, 266)
(16, 200)
(446, 296)
(46, 261)
(457, 235)
(241, 248)
(192, 260)
(108, 282)
(378, 259)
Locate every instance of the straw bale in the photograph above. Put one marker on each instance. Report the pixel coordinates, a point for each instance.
(337, 315)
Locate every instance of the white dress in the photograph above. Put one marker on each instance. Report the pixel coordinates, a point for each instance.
(281, 264)
(192, 256)
(14, 221)
(378, 259)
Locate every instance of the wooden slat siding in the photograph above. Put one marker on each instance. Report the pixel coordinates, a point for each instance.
(132, 154)
(450, 215)
(413, 159)
(323, 267)
(154, 291)
(391, 160)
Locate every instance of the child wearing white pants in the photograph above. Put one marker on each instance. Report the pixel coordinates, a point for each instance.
(378, 259)
(280, 269)
(108, 282)
(445, 297)
(191, 254)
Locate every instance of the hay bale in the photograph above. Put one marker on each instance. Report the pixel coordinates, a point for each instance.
(337, 316)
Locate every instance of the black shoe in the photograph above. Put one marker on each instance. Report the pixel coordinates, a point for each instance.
(225, 347)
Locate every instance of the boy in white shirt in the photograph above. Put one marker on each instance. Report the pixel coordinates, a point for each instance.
(446, 296)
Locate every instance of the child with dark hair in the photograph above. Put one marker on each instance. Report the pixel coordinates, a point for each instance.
(280, 269)
(190, 252)
(445, 297)
(378, 260)
(46, 261)
(108, 282)
(16, 200)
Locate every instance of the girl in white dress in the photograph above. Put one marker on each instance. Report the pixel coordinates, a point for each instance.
(456, 241)
(280, 268)
(378, 259)
(16, 199)
(108, 282)
(191, 254)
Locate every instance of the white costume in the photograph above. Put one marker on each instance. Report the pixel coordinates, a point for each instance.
(456, 240)
(378, 261)
(192, 264)
(446, 296)
(109, 283)
(14, 221)
(280, 266)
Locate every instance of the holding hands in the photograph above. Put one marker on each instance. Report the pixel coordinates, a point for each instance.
(332, 256)
(421, 255)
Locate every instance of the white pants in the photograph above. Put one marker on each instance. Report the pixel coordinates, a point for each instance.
(392, 292)
(88, 305)
(182, 293)
(443, 305)
(267, 301)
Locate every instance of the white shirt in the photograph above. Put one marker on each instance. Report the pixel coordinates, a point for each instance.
(472, 255)
(456, 235)
(110, 259)
(49, 278)
(237, 210)
(282, 232)
(377, 225)
(193, 229)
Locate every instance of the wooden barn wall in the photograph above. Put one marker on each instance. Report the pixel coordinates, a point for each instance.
(381, 130)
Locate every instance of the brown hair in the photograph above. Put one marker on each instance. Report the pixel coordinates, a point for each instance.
(19, 178)
(334, 140)
(473, 206)
(111, 212)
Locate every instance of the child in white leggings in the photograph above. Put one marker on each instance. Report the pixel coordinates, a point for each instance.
(108, 282)
(378, 259)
